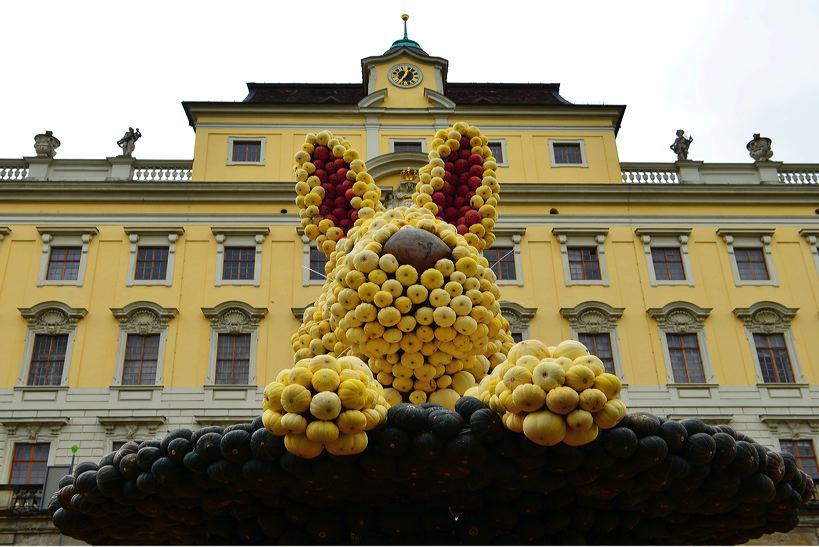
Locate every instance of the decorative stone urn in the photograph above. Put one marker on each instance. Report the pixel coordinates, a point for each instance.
(759, 148)
(46, 144)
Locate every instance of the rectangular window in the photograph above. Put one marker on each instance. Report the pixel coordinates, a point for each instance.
(599, 344)
(668, 264)
(567, 153)
(233, 359)
(317, 262)
(803, 452)
(751, 264)
(141, 357)
(47, 359)
(774, 360)
(686, 360)
(502, 262)
(151, 263)
(497, 150)
(239, 263)
(247, 151)
(29, 463)
(583, 263)
(64, 263)
(407, 146)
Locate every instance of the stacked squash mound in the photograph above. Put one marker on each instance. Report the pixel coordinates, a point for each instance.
(553, 394)
(437, 476)
(324, 403)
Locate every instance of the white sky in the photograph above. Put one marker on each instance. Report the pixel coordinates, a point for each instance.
(721, 70)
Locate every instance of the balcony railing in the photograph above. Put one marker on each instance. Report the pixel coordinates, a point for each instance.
(649, 173)
(12, 170)
(162, 170)
(20, 498)
(799, 173)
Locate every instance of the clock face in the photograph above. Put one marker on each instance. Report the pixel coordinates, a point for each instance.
(405, 75)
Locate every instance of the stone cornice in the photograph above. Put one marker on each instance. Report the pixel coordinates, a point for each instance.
(34, 425)
(513, 193)
(680, 317)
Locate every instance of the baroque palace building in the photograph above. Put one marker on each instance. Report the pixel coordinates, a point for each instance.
(140, 296)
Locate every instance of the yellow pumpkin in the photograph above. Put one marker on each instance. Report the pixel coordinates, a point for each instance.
(610, 416)
(500, 387)
(528, 397)
(273, 395)
(571, 349)
(348, 445)
(592, 400)
(548, 375)
(352, 362)
(296, 398)
(461, 381)
(591, 361)
(272, 421)
(301, 446)
(513, 422)
(373, 418)
(527, 347)
(325, 380)
(474, 391)
(323, 362)
(322, 431)
(544, 428)
(562, 400)
(444, 397)
(349, 374)
(393, 396)
(517, 376)
(608, 384)
(325, 405)
(579, 419)
(353, 394)
(579, 377)
(283, 376)
(576, 437)
(294, 423)
(507, 403)
(300, 376)
(351, 422)
(418, 397)
(527, 361)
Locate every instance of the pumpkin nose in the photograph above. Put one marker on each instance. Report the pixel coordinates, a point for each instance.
(417, 248)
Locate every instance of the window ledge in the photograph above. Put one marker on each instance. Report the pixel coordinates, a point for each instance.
(41, 388)
(782, 385)
(136, 387)
(692, 385)
(226, 387)
(757, 284)
(585, 282)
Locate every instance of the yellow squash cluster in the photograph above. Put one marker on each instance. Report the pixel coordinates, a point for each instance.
(324, 403)
(482, 198)
(314, 192)
(553, 394)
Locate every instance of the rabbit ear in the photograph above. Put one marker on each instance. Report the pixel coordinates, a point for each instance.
(333, 189)
(459, 184)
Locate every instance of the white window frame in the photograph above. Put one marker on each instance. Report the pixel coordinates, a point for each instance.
(583, 158)
(263, 146)
(684, 318)
(583, 237)
(812, 237)
(594, 317)
(49, 318)
(142, 318)
(666, 237)
(738, 238)
(511, 237)
(392, 142)
(152, 237)
(233, 317)
(519, 317)
(504, 152)
(308, 244)
(771, 318)
(64, 236)
(250, 237)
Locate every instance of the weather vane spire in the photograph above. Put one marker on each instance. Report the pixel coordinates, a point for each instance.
(404, 18)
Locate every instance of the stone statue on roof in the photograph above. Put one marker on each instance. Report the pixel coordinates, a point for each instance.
(760, 148)
(681, 144)
(127, 142)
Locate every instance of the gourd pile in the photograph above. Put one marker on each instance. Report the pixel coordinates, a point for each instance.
(324, 403)
(436, 476)
(333, 189)
(553, 394)
(459, 183)
(406, 289)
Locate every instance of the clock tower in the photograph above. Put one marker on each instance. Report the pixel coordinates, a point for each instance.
(405, 76)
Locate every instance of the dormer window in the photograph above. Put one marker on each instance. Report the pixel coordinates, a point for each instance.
(246, 151)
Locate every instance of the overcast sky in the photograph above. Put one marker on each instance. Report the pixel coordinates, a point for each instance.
(721, 70)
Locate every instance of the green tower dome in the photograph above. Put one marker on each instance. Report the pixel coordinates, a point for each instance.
(405, 41)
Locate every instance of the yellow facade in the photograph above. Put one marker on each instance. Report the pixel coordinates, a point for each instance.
(538, 200)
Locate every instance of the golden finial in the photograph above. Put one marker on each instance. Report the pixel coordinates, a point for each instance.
(404, 17)
(409, 174)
